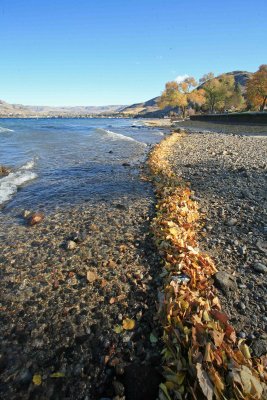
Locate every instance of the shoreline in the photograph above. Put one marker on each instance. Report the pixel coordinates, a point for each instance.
(117, 267)
(78, 301)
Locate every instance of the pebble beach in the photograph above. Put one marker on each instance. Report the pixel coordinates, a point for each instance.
(79, 291)
(227, 173)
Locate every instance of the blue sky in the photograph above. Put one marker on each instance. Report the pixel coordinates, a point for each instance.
(83, 52)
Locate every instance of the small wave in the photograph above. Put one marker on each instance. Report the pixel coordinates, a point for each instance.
(28, 165)
(116, 136)
(3, 129)
(10, 183)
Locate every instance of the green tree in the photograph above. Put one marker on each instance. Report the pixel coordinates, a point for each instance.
(236, 100)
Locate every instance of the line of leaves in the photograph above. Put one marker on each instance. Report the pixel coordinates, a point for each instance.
(202, 358)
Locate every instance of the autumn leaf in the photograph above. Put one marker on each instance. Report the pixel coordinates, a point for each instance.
(37, 380)
(204, 382)
(118, 329)
(128, 324)
(57, 375)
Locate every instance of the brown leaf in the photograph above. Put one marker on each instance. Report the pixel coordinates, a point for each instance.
(217, 337)
(204, 382)
(223, 318)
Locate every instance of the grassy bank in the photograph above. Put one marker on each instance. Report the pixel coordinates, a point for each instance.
(202, 357)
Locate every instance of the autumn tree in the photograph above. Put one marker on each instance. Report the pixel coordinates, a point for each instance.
(197, 97)
(218, 91)
(177, 94)
(206, 77)
(257, 88)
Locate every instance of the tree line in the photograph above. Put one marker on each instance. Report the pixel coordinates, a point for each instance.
(219, 94)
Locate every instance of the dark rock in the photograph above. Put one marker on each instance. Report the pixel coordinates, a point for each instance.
(125, 164)
(225, 282)
(3, 362)
(78, 236)
(24, 377)
(260, 268)
(259, 347)
(136, 380)
(121, 207)
(35, 218)
(118, 388)
(4, 170)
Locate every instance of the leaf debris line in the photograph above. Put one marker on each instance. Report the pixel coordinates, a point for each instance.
(202, 358)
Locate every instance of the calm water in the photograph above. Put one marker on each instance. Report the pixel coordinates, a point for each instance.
(57, 162)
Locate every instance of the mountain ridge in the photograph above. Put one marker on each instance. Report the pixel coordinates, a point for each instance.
(19, 110)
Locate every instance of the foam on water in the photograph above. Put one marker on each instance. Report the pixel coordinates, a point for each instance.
(28, 165)
(3, 129)
(119, 136)
(10, 183)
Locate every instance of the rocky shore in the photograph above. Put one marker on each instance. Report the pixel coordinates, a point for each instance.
(228, 176)
(78, 303)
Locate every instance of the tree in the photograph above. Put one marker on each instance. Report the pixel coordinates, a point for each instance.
(236, 100)
(206, 77)
(197, 97)
(218, 91)
(257, 88)
(177, 94)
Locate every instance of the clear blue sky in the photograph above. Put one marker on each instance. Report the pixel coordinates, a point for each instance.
(84, 52)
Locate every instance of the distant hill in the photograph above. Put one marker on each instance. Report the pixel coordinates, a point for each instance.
(18, 110)
(150, 108)
(146, 109)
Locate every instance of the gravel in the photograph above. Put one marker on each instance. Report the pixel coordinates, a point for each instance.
(228, 176)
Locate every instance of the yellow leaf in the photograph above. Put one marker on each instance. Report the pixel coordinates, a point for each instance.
(57, 375)
(118, 329)
(206, 316)
(128, 324)
(37, 379)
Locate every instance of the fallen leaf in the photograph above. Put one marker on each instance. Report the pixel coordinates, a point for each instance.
(204, 382)
(128, 324)
(37, 379)
(217, 337)
(223, 318)
(118, 329)
(57, 375)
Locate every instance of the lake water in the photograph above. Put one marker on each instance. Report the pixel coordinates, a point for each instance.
(58, 162)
